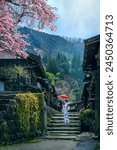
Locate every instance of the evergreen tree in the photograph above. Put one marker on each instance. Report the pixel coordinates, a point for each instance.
(63, 63)
(52, 66)
(76, 62)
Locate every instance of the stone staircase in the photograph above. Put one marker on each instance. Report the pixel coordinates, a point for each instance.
(56, 129)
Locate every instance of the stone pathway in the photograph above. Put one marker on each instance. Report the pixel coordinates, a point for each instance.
(86, 145)
(86, 141)
(83, 141)
(44, 145)
(54, 145)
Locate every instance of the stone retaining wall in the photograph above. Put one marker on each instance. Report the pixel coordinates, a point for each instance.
(10, 124)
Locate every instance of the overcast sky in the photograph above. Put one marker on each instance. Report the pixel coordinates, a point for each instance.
(77, 18)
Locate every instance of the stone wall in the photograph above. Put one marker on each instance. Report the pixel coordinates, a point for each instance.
(50, 112)
(20, 119)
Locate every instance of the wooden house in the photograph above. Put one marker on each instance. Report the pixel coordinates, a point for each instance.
(33, 79)
(91, 68)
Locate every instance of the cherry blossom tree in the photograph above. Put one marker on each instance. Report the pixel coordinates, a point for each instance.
(13, 12)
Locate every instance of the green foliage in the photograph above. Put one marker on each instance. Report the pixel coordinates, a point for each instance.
(52, 66)
(87, 113)
(62, 55)
(61, 58)
(29, 106)
(87, 120)
(36, 140)
(10, 72)
(60, 64)
(23, 118)
(76, 70)
(50, 43)
(6, 71)
(20, 70)
(76, 61)
(53, 78)
(63, 63)
(77, 92)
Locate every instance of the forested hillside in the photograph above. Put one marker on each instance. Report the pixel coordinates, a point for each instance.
(62, 58)
(68, 73)
(52, 44)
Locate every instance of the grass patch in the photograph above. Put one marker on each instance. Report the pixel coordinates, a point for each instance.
(35, 140)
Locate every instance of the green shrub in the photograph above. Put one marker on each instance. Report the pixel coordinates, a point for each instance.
(29, 108)
(23, 118)
(87, 120)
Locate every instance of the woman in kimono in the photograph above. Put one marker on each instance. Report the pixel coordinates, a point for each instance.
(65, 111)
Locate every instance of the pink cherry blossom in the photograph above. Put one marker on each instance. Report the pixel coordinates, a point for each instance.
(14, 11)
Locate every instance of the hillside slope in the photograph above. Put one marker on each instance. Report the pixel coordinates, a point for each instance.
(61, 55)
(51, 44)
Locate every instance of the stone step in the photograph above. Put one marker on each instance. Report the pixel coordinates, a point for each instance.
(62, 121)
(55, 137)
(65, 128)
(71, 114)
(63, 132)
(62, 124)
(62, 118)
(58, 130)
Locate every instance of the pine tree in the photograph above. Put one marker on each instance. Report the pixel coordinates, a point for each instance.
(63, 63)
(76, 62)
(52, 66)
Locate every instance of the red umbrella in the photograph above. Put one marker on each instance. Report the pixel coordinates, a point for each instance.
(63, 96)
